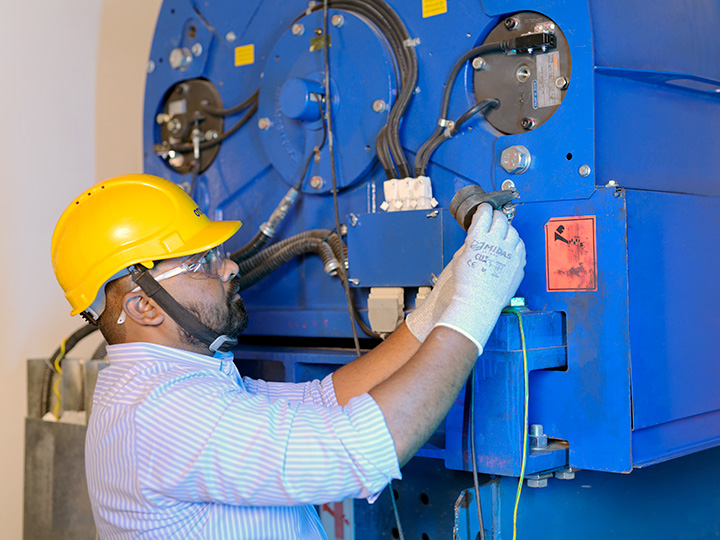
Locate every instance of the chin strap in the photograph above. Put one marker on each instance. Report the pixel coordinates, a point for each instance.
(186, 320)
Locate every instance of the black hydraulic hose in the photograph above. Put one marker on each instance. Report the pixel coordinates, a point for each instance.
(319, 234)
(215, 111)
(447, 133)
(187, 147)
(70, 342)
(251, 248)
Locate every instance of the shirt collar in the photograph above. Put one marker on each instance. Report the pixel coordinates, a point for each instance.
(133, 352)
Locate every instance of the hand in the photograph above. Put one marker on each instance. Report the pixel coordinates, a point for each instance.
(422, 319)
(488, 271)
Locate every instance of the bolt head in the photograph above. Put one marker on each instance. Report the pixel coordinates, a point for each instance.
(150, 66)
(264, 123)
(230, 36)
(379, 105)
(174, 125)
(316, 182)
(180, 58)
(298, 29)
(197, 49)
(211, 134)
(508, 185)
(537, 482)
(515, 160)
(162, 118)
(561, 83)
(528, 123)
(478, 63)
(584, 170)
(176, 159)
(337, 20)
(565, 474)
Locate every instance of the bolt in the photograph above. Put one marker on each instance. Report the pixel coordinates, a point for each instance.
(197, 49)
(611, 183)
(478, 63)
(264, 123)
(584, 170)
(353, 219)
(180, 58)
(162, 118)
(230, 36)
(379, 105)
(150, 66)
(561, 83)
(515, 160)
(565, 474)
(176, 159)
(537, 438)
(508, 185)
(174, 125)
(511, 23)
(536, 481)
(316, 182)
(211, 134)
(522, 74)
(298, 29)
(337, 20)
(528, 123)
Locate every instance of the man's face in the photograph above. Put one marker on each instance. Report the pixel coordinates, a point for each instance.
(214, 301)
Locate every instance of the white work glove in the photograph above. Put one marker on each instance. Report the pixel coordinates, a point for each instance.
(486, 274)
(422, 320)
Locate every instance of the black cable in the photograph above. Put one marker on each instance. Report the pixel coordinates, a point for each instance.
(188, 147)
(422, 160)
(70, 342)
(215, 111)
(314, 152)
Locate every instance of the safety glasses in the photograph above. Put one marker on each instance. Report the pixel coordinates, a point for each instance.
(208, 264)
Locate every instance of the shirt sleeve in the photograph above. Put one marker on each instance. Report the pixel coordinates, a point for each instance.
(318, 392)
(202, 440)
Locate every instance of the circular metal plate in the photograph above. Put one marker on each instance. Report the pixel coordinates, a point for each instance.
(530, 86)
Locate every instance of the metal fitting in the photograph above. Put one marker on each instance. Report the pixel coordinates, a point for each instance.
(230, 36)
(611, 183)
(522, 74)
(298, 29)
(528, 123)
(316, 182)
(565, 474)
(508, 185)
(537, 480)
(264, 123)
(197, 49)
(537, 438)
(353, 219)
(180, 58)
(174, 125)
(515, 160)
(337, 20)
(511, 23)
(331, 267)
(175, 159)
(584, 170)
(162, 118)
(211, 134)
(150, 66)
(561, 83)
(478, 63)
(379, 105)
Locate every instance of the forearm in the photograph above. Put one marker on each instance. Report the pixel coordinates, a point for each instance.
(365, 373)
(416, 398)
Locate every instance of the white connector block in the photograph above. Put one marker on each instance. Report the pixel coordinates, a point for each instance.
(408, 194)
(386, 308)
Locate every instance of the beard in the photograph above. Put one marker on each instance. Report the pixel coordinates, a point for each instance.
(229, 319)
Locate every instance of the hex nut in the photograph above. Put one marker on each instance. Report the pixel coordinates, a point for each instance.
(515, 159)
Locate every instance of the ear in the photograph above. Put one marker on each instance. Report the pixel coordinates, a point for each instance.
(142, 310)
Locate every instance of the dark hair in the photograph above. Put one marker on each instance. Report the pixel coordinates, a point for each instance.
(114, 291)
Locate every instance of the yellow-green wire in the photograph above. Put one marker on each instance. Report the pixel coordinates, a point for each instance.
(56, 386)
(525, 419)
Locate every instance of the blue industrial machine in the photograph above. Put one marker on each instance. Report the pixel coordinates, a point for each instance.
(603, 116)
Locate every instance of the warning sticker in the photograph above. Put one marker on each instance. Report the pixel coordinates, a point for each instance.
(433, 7)
(571, 254)
(245, 55)
(545, 92)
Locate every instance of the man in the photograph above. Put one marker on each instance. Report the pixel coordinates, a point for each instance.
(179, 445)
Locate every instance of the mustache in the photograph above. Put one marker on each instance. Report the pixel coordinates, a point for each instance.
(234, 288)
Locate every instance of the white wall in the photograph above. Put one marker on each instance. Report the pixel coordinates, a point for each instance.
(71, 91)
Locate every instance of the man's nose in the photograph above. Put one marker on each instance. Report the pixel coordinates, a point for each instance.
(230, 270)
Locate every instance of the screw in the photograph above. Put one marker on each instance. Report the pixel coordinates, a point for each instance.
(162, 118)
(536, 481)
(508, 185)
(298, 29)
(522, 74)
(528, 123)
(353, 219)
(316, 182)
(175, 159)
(511, 24)
(180, 58)
(478, 63)
(561, 83)
(515, 160)
(584, 170)
(337, 20)
(230, 36)
(150, 66)
(264, 123)
(174, 125)
(211, 134)
(537, 438)
(197, 49)
(379, 105)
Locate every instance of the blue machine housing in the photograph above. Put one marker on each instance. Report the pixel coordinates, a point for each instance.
(623, 375)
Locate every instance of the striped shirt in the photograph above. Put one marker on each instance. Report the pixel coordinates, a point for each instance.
(180, 446)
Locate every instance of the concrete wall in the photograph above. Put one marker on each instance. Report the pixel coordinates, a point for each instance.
(71, 96)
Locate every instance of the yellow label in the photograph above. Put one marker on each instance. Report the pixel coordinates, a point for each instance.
(245, 55)
(433, 7)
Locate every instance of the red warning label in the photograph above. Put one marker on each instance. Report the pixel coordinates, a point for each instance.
(571, 254)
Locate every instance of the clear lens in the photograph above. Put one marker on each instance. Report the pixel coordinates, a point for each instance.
(207, 264)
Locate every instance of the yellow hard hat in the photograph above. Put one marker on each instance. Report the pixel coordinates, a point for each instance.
(137, 218)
